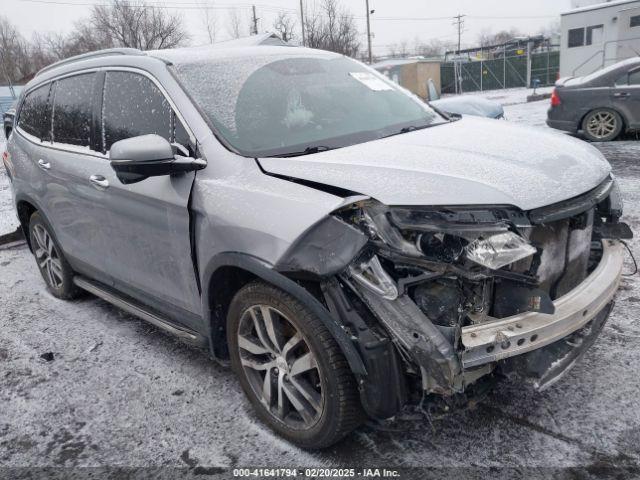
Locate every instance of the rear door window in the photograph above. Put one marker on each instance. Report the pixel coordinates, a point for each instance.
(133, 106)
(35, 114)
(72, 110)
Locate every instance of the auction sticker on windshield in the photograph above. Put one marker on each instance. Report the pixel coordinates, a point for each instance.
(370, 80)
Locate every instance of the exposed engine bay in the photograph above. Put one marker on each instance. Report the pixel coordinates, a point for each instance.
(425, 287)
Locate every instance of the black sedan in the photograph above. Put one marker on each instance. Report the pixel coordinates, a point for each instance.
(602, 105)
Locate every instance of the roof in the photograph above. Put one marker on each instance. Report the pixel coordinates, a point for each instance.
(268, 39)
(600, 6)
(215, 52)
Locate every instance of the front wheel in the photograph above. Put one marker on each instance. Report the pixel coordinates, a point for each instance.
(602, 125)
(291, 367)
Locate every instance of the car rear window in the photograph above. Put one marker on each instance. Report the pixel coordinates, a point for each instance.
(35, 114)
(72, 110)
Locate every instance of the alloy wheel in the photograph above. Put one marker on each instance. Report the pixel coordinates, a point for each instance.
(48, 257)
(602, 124)
(281, 368)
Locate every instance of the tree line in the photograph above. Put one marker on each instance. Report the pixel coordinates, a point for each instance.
(141, 25)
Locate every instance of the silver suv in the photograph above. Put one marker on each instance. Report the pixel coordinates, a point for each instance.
(348, 249)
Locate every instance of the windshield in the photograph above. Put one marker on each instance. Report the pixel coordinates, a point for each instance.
(285, 105)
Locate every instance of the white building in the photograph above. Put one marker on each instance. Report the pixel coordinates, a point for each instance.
(598, 35)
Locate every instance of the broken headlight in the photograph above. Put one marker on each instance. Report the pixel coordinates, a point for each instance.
(484, 236)
(499, 250)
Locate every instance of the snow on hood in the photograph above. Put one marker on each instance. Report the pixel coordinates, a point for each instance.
(472, 161)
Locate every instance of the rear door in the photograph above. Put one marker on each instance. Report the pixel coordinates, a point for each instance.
(625, 97)
(149, 249)
(73, 204)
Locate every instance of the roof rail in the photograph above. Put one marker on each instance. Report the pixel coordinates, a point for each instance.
(85, 56)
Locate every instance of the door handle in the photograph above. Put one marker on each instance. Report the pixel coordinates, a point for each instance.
(44, 165)
(99, 181)
(621, 95)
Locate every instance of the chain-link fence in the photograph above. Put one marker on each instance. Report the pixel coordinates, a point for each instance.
(499, 73)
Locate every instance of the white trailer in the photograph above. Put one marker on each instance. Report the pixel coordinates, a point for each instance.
(599, 35)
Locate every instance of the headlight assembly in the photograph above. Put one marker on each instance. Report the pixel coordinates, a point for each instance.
(484, 236)
(499, 250)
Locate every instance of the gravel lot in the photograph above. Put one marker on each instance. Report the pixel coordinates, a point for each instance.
(83, 384)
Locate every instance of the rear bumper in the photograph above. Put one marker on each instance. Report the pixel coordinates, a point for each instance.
(501, 339)
(564, 125)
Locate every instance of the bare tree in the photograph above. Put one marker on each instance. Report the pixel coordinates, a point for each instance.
(235, 24)
(435, 48)
(488, 37)
(551, 29)
(209, 21)
(285, 26)
(138, 25)
(332, 28)
(14, 58)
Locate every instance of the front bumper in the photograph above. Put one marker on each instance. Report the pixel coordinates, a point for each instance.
(500, 339)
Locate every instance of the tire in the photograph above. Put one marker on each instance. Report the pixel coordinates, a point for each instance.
(302, 361)
(54, 268)
(602, 125)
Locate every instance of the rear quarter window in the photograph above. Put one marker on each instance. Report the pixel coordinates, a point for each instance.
(35, 115)
(72, 110)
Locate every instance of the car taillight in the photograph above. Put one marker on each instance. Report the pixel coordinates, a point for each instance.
(555, 99)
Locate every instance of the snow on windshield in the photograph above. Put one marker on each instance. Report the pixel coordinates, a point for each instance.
(277, 103)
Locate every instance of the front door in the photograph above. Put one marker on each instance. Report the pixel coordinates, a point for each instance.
(149, 251)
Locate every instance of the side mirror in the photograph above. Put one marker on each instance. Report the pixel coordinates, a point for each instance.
(137, 158)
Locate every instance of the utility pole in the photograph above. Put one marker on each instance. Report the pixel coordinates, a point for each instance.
(369, 32)
(304, 41)
(255, 21)
(459, 22)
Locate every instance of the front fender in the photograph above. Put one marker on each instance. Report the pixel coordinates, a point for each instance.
(265, 271)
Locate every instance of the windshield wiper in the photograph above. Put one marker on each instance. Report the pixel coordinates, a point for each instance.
(306, 151)
(411, 128)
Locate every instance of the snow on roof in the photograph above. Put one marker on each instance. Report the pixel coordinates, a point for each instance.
(268, 38)
(598, 6)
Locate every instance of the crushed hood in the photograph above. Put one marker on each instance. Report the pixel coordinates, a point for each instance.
(472, 161)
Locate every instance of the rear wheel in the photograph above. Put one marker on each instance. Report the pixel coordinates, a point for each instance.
(602, 125)
(291, 368)
(55, 269)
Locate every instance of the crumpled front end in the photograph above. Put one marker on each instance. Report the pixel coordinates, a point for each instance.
(436, 298)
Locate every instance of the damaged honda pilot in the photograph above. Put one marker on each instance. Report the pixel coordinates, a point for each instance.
(349, 250)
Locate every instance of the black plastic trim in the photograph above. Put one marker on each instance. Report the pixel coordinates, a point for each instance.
(266, 272)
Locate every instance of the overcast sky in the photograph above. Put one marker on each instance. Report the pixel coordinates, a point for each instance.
(393, 21)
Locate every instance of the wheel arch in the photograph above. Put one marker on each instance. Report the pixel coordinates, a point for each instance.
(25, 207)
(625, 122)
(226, 273)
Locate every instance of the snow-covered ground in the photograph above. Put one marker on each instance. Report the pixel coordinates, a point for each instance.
(118, 392)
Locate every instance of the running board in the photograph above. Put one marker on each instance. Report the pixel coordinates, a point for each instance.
(132, 307)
